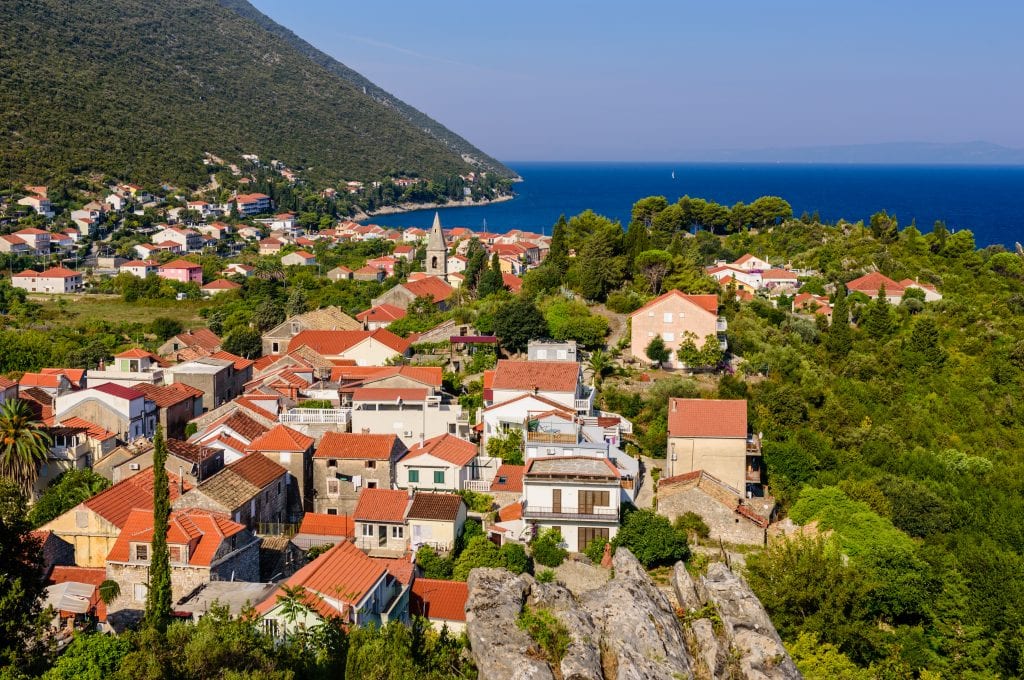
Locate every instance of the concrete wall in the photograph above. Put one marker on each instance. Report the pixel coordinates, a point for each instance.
(408, 423)
(724, 458)
(426, 465)
(685, 317)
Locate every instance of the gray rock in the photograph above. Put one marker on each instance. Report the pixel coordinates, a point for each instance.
(501, 650)
(641, 639)
(686, 593)
(709, 653)
(748, 629)
(582, 660)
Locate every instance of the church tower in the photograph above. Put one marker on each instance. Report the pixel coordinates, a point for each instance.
(437, 251)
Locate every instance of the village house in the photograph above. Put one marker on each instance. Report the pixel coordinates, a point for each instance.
(129, 368)
(113, 407)
(252, 204)
(379, 518)
(411, 413)
(577, 495)
(139, 268)
(364, 348)
(176, 405)
(712, 435)
(557, 381)
(200, 342)
(251, 491)
(69, 450)
(342, 583)
(182, 271)
(56, 280)
(674, 316)
(346, 463)
(40, 204)
(14, 245)
(750, 263)
(38, 240)
(220, 286)
(220, 380)
(441, 463)
(299, 258)
(402, 295)
(189, 239)
(435, 520)
(278, 339)
(232, 433)
(871, 283)
(340, 273)
(203, 547)
(380, 316)
(443, 603)
(319, 529)
(294, 451)
(549, 350)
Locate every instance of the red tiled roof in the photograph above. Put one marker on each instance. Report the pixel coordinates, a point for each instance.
(221, 284)
(381, 505)
(546, 376)
(431, 286)
(709, 303)
(513, 476)
(201, 530)
(281, 438)
(319, 524)
(133, 353)
(251, 198)
(93, 430)
(180, 264)
(193, 453)
(256, 406)
(75, 375)
(330, 343)
(39, 380)
(512, 282)
(241, 424)
(257, 469)
(428, 375)
(120, 391)
(93, 576)
(390, 394)
(441, 507)
(379, 313)
(355, 445)
(400, 567)
(446, 447)
(439, 600)
(117, 502)
(52, 273)
(6, 383)
(199, 337)
(343, 573)
(512, 511)
(166, 396)
(707, 418)
(870, 283)
(778, 274)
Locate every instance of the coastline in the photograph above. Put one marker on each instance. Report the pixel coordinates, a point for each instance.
(413, 207)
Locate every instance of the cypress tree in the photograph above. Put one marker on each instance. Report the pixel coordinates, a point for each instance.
(924, 342)
(491, 280)
(839, 338)
(558, 252)
(879, 317)
(158, 597)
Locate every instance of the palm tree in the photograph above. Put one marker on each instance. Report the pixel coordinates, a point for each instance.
(269, 269)
(24, 444)
(109, 591)
(599, 365)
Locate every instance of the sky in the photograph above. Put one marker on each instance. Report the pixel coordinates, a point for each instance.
(645, 81)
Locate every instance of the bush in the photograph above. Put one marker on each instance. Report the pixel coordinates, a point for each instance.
(624, 302)
(432, 564)
(514, 558)
(692, 524)
(548, 632)
(479, 552)
(547, 549)
(595, 550)
(477, 502)
(315, 403)
(652, 539)
(546, 576)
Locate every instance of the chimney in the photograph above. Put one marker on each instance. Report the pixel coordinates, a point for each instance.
(674, 404)
(181, 480)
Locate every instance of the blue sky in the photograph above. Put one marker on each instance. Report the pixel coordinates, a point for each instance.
(644, 80)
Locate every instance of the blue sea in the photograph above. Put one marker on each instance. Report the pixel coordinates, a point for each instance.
(987, 200)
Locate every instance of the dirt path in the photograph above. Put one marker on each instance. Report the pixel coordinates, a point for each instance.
(616, 323)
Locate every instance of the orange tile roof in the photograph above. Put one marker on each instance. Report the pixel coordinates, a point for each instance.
(39, 380)
(257, 406)
(281, 438)
(707, 418)
(441, 507)
(512, 511)
(778, 274)
(709, 303)
(91, 575)
(358, 446)
(241, 424)
(166, 396)
(93, 430)
(439, 600)
(870, 283)
(512, 476)
(221, 284)
(180, 264)
(342, 573)
(381, 505)
(380, 313)
(201, 530)
(401, 568)
(390, 394)
(446, 447)
(546, 376)
(428, 375)
(133, 353)
(257, 469)
(75, 375)
(431, 286)
(331, 343)
(117, 502)
(319, 524)
(199, 337)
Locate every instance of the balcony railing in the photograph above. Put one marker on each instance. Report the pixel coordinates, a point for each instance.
(754, 476)
(754, 447)
(721, 325)
(597, 514)
(551, 437)
(316, 416)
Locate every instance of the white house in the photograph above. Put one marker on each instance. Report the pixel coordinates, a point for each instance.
(411, 414)
(252, 204)
(189, 240)
(37, 239)
(578, 495)
(130, 367)
(53, 280)
(299, 258)
(750, 263)
(113, 407)
(558, 381)
(441, 463)
(139, 268)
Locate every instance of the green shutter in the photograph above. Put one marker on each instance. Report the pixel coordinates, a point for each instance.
(414, 476)
(438, 476)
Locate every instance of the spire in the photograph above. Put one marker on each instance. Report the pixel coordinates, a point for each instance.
(436, 239)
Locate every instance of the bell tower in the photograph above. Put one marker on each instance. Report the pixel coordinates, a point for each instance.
(437, 251)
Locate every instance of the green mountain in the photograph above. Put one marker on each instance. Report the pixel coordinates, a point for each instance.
(414, 116)
(141, 90)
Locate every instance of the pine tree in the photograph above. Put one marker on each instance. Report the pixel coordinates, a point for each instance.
(491, 280)
(924, 342)
(558, 251)
(879, 317)
(158, 597)
(839, 338)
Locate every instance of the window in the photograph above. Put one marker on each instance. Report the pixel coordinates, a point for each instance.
(286, 458)
(332, 463)
(368, 530)
(587, 535)
(451, 428)
(177, 554)
(81, 519)
(371, 484)
(275, 348)
(333, 487)
(397, 532)
(142, 552)
(667, 317)
(650, 334)
(668, 337)
(542, 354)
(332, 511)
(139, 592)
(371, 465)
(414, 476)
(438, 476)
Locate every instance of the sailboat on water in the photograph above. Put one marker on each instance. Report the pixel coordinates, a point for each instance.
(673, 174)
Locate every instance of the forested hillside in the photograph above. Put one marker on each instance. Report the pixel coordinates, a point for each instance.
(140, 91)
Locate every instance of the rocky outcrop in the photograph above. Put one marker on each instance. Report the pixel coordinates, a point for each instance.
(627, 629)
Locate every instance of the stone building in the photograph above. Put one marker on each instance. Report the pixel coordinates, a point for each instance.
(252, 491)
(437, 251)
(345, 463)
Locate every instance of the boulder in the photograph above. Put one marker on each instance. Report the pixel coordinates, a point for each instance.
(501, 650)
(751, 636)
(686, 593)
(708, 652)
(582, 660)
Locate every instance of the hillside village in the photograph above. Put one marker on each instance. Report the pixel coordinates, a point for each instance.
(337, 462)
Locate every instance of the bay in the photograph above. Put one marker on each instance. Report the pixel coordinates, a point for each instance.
(986, 199)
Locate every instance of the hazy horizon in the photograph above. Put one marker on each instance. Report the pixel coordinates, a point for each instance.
(662, 81)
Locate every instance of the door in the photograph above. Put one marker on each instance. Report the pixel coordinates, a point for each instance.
(382, 535)
(586, 535)
(586, 502)
(556, 500)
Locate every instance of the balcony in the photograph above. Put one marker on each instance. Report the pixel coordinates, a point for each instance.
(721, 325)
(316, 416)
(753, 446)
(551, 437)
(586, 404)
(579, 514)
(754, 476)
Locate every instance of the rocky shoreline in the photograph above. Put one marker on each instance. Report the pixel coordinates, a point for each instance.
(412, 207)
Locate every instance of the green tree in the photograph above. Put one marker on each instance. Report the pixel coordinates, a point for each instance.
(479, 552)
(878, 322)
(652, 539)
(558, 251)
(840, 339)
(297, 302)
(517, 322)
(244, 342)
(491, 280)
(923, 345)
(163, 327)
(65, 492)
(546, 548)
(90, 656)
(656, 351)
(158, 595)
(24, 445)
(267, 314)
(433, 565)
(514, 558)
(688, 352)
(509, 447)
(884, 227)
(21, 582)
(654, 266)
(599, 365)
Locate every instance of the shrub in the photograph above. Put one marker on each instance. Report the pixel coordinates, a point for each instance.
(624, 302)
(546, 576)
(514, 558)
(548, 632)
(479, 552)
(692, 524)
(547, 548)
(477, 502)
(652, 539)
(432, 564)
(595, 549)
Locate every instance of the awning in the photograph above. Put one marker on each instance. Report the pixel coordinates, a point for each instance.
(70, 597)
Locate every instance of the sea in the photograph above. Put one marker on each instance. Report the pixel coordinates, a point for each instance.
(988, 200)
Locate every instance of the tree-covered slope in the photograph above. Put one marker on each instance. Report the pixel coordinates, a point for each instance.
(141, 90)
(414, 116)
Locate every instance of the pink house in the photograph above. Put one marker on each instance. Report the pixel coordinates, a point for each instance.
(181, 270)
(672, 316)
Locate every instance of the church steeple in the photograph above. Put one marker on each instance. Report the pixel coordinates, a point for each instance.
(437, 251)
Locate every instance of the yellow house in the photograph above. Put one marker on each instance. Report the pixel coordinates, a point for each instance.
(711, 435)
(93, 526)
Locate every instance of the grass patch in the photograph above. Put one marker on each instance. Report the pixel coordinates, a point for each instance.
(113, 309)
